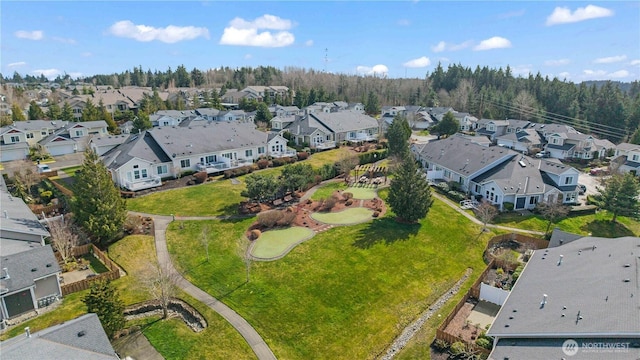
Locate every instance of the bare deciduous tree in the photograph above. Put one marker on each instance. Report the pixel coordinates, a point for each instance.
(552, 211)
(525, 103)
(28, 177)
(63, 238)
(346, 164)
(486, 212)
(161, 282)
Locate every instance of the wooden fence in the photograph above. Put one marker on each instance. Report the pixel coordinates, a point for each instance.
(113, 274)
(474, 291)
(38, 209)
(62, 189)
(49, 174)
(521, 238)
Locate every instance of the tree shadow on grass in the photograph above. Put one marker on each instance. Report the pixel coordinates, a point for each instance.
(385, 230)
(606, 228)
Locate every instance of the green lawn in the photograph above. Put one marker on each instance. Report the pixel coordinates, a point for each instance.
(597, 224)
(273, 243)
(210, 199)
(327, 157)
(348, 216)
(71, 171)
(344, 294)
(328, 189)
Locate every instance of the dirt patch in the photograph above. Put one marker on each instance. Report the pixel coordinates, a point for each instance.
(176, 307)
(459, 325)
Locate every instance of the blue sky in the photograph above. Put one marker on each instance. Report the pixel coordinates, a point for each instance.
(573, 40)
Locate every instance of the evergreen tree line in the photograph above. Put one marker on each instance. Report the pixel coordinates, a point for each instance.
(483, 92)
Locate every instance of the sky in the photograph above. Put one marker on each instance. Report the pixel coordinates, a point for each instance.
(571, 40)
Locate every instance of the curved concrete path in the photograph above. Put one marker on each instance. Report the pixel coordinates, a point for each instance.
(245, 329)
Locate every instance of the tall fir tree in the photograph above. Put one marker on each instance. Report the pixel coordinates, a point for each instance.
(96, 204)
(90, 112)
(449, 125)
(619, 195)
(16, 113)
(398, 136)
(35, 111)
(54, 112)
(409, 193)
(67, 112)
(104, 300)
(141, 122)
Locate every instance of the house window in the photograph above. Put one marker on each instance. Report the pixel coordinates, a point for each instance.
(634, 158)
(210, 159)
(29, 135)
(136, 174)
(555, 141)
(162, 169)
(352, 135)
(328, 137)
(78, 132)
(447, 173)
(261, 150)
(248, 153)
(568, 180)
(533, 200)
(185, 163)
(136, 166)
(144, 173)
(43, 133)
(227, 155)
(15, 139)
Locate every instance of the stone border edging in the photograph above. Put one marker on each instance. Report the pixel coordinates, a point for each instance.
(191, 317)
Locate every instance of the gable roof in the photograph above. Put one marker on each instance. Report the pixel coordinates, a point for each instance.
(345, 121)
(588, 286)
(77, 339)
(27, 266)
(37, 125)
(512, 178)
(17, 217)
(628, 147)
(462, 155)
(142, 146)
(554, 166)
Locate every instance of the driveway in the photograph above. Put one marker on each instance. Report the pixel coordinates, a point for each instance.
(60, 162)
(590, 182)
(419, 139)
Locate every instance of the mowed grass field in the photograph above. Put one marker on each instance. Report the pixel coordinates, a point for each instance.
(344, 294)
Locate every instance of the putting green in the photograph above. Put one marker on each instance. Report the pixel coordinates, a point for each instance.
(362, 193)
(274, 243)
(344, 217)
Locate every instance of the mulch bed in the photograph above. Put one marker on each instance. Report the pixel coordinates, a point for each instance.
(458, 326)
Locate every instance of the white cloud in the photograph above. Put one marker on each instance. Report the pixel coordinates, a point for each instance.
(619, 74)
(558, 62)
(309, 43)
(635, 62)
(30, 35)
(522, 70)
(64, 40)
(170, 34)
(375, 70)
(418, 63)
(564, 75)
(610, 59)
(495, 42)
(48, 73)
(563, 15)
(595, 72)
(404, 22)
(443, 46)
(16, 64)
(245, 33)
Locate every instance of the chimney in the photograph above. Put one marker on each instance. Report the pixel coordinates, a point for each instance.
(544, 301)
(27, 331)
(560, 260)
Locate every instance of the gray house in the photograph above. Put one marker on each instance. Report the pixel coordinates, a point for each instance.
(82, 338)
(323, 130)
(578, 300)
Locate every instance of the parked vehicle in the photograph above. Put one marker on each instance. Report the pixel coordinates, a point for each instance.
(582, 189)
(542, 154)
(43, 168)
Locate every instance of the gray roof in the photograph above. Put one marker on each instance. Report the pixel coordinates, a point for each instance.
(214, 137)
(518, 124)
(628, 147)
(545, 349)
(18, 218)
(27, 266)
(109, 140)
(19, 145)
(589, 286)
(36, 125)
(512, 178)
(554, 166)
(77, 339)
(207, 112)
(142, 146)
(57, 136)
(345, 121)
(462, 155)
(178, 114)
(559, 237)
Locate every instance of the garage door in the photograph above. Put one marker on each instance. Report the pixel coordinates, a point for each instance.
(10, 155)
(18, 303)
(60, 149)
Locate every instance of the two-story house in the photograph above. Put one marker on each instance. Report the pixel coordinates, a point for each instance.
(492, 128)
(627, 157)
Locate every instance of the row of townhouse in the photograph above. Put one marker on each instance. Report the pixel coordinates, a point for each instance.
(29, 269)
(141, 161)
(57, 137)
(498, 174)
(557, 140)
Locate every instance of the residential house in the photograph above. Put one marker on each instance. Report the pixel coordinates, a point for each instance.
(284, 111)
(82, 338)
(31, 131)
(578, 300)
(574, 145)
(437, 113)
(281, 122)
(144, 159)
(101, 145)
(28, 268)
(496, 173)
(233, 96)
(324, 130)
(357, 107)
(277, 146)
(231, 115)
(627, 157)
(522, 140)
(467, 121)
(210, 114)
(492, 128)
(158, 120)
